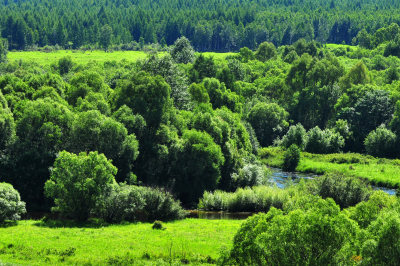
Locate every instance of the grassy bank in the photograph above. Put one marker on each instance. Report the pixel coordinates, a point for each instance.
(378, 171)
(191, 240)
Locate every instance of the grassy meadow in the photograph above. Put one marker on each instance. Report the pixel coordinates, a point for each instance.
(378, 171)
(194, 241)
(83, 57)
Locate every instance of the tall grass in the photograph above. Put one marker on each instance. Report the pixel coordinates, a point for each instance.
(256, 199)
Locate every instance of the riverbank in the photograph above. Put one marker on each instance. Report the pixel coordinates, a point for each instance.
(196, 241)
(377, 171)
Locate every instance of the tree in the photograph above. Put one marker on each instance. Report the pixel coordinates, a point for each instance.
(3, 50)
(381, 142)
(11, 206)
(291, 158)
(265, 51)
(106, 34)
(182, 51)
(92, 131)
(146, 95)
(197, 166)
(65, 64)
(78, 182)
(7, 125)
(203, 67)
(268, 121)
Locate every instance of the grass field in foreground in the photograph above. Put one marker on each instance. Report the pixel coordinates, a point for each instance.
(378, 171)
(196, 241)
(82, 57)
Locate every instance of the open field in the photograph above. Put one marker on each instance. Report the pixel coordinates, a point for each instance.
(82, 57)
(378, 171)
(196, 241)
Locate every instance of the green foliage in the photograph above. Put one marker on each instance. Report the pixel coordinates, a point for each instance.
(199, 160)
(312, 235)
(157, 225)
(92, 131)
(3, 50)
(296, 135)
(345, 191)
(265, 51)
(250, 175)
(323, 141)
(255, 199)
(146, 95)
(65, 64)
(134, 203)
(268, 121)
(106, 34)
(291, 158)
(78, 182)
(182, 51)
(203, 67)
(199, 93)
(11, 206)
(381, 142)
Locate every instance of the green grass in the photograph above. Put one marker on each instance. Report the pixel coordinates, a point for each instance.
(43, 58)
(196, 240)
(82, 57)
(378, 171)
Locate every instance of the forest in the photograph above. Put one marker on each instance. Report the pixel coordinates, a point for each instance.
(122, 127)
(225, 25)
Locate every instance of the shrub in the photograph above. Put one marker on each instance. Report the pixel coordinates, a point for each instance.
(11, 206)
(323, 141)
(157, 225)
(78, 182)
(291, 158)
(295, 135)
(133, 203)
(160, 205)
(309, 236)
(366, 212)
(124, 203)
(345, 191)
(250, 175)
(381, 142)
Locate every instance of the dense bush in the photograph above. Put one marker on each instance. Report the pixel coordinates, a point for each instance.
(381, 142)
(133, 203)
(295, 135)
(345, 191)
(160, 205)
(250, 175)
(11, 206)
(291, 158)
(311, 235)
(323, 141)
(123, 203)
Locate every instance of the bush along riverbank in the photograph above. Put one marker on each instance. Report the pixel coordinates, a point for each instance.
(377, 171)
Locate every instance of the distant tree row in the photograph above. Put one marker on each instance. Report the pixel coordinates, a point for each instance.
(209, 25)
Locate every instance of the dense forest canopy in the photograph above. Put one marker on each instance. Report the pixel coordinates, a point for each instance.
(209, 25)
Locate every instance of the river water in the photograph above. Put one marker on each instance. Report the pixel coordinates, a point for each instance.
(283, 179)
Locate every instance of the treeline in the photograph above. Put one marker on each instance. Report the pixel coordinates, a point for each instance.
(209, 25)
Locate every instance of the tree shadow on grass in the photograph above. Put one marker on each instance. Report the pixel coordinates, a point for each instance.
(6, 224)
(62, 223)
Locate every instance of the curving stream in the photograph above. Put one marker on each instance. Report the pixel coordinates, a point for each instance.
(283, 179)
